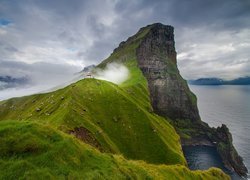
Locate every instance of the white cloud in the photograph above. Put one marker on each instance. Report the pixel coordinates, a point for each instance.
(113, 72)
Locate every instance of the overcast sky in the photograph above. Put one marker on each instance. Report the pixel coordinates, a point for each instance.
(57, 37)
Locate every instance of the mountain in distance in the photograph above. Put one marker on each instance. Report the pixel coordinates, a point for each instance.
(217, 81)
(88, 68)
(10, 82)
(206, 81)
(239, 81)
(95, 129)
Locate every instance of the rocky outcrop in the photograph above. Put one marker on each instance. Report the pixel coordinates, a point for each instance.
(170, 95)
(172, 98)
(223, 139)
(86, 136)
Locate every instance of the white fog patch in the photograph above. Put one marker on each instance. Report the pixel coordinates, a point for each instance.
(42, 77)
(114, 72)
(19, 92)
(53, 84)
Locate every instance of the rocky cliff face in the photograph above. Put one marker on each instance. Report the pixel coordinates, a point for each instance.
(224, 145)
(171, 97)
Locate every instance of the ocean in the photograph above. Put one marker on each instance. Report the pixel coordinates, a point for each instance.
(227, 104)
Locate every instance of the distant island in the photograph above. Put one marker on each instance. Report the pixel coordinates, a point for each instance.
(10, 82)
(218, 81)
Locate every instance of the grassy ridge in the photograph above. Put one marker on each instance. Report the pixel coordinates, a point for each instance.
(33, 151)
(116, 120)
(35, 140)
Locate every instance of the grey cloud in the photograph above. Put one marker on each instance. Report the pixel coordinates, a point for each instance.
(85, 32)
(225, 13)
(11, 49)
(40, 73)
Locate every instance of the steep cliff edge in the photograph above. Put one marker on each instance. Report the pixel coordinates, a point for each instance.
(171, 97)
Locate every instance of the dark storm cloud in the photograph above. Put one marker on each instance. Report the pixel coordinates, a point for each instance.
(196, 13)
(212, 37)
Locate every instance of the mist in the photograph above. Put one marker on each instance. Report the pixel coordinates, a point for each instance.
(46, 77)
(47, 85)
(113, 72)
(43, 77)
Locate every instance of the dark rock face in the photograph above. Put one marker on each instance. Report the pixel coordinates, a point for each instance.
(225, 148)
(170, 95)
(172, 98)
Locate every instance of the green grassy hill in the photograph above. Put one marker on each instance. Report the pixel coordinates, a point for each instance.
(33, 151)
(110, 116)
(38, 132)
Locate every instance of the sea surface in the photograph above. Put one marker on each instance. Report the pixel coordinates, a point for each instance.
(227, 104)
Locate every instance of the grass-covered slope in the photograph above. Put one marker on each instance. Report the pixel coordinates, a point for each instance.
(118, 122)
(33, 151)
(37, 132)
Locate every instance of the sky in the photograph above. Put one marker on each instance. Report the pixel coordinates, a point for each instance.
(49, 40)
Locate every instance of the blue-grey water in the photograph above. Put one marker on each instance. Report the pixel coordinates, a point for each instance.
(218, 105)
